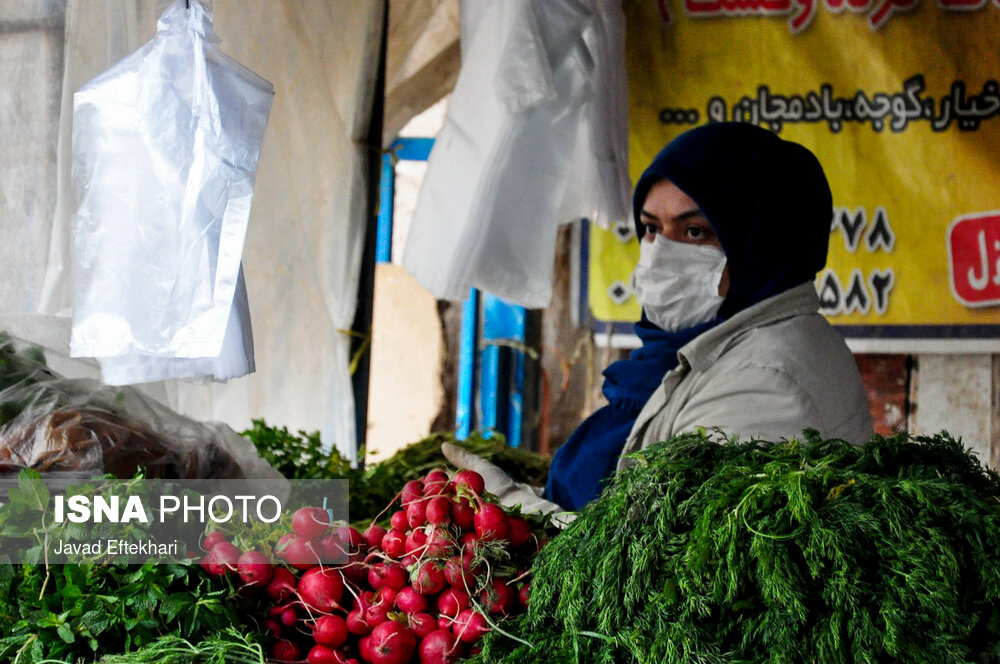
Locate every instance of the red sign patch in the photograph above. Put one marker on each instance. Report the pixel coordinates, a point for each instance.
(974, 259)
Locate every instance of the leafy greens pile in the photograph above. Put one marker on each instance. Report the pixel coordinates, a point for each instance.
(792, 551)
(373, 487)
(82, 612)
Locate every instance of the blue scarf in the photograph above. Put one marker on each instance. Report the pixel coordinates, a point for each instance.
(591, 453)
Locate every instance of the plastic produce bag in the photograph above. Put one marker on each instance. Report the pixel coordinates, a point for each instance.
(165, 151)
(535, 137)
(62, 426)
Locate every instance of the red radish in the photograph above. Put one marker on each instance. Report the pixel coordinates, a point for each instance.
(438, 510)
(373, 536)
(212, 539)
(282, 585)
(452, 602)
(311, 522)
(320, 654)
(410, 601)
(415, 541)
(321, 588)
(472, 480)
(422, 624)
(439, 543)
(282, 544)
(356, 571)
(273, 626)
(524, 593)
(288, 617)
(462, 514)
(386, 596)
(394, 543)
(356, 622)
(365, 648)
(226, 554)
(468, 542)
(391, 575)
(439, 647)
(498, 598)
(412, 490)
(429, 579)
(330, 549)
(210, 563)
(392, 643)
(399, 520)
(436, 475)
(408, 561)
(330, 630)
(376, 614)
(254, 568)
(286, 651)
(435, 482)
(416, 513)
(461, 572)
(302, 553)
(490, 522)
(518, 531)
(380, 606)
(470, 626)
(444, 622)
(350, 539)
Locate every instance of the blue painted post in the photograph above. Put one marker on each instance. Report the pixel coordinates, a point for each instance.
(469, 342)
(386, 186)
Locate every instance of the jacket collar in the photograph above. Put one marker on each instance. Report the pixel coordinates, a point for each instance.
(707, 347)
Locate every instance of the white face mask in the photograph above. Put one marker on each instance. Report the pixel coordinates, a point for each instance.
(678, 283)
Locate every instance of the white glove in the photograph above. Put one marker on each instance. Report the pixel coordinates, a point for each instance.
(507, 491)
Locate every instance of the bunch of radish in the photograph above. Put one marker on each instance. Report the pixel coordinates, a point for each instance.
(425, 589)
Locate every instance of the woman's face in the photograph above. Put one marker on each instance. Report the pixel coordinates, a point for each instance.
(670, 212)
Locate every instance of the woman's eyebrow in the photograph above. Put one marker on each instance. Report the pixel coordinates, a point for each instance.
(696, 212)
(652, 216)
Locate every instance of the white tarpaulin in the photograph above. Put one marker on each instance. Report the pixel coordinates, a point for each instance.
(303, 244)
(535, 136)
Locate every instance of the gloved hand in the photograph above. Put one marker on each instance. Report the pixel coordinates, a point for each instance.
(507, 491)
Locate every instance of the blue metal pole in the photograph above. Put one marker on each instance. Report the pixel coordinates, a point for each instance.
(469, 343)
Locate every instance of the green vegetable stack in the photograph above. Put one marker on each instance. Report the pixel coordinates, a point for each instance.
(799, 551)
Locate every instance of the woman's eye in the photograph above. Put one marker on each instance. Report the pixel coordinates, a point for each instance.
(696, 232)
(650, 228)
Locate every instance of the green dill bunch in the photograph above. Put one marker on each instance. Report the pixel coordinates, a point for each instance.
(793, 551)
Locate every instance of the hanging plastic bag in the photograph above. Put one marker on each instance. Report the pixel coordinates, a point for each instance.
(535, 137)
(165, 151)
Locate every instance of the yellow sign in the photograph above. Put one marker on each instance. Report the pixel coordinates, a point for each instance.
(899, 100)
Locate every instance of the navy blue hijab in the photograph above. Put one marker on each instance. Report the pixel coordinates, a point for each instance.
(769, 204)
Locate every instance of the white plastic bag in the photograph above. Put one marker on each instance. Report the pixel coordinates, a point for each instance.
(535, 137)
(165, 151)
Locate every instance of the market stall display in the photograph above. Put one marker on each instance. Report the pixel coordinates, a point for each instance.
(805, 550)
(448, 567)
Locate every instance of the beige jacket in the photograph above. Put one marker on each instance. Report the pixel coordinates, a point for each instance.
(768, 372)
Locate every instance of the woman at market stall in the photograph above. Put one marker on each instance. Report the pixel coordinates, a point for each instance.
(734, 224)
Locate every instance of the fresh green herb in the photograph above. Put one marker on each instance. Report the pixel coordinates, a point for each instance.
(795, 551)
(229, 647)
(371, 489)
(297, 457)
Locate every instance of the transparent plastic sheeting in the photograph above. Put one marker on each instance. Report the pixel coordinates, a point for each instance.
(535, 136)
(165, 151)
(303, 247)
